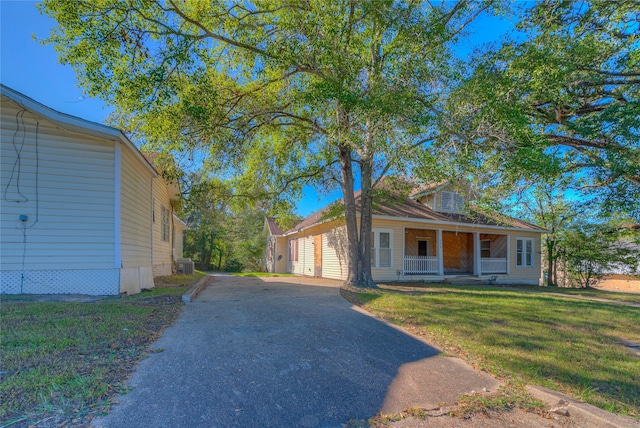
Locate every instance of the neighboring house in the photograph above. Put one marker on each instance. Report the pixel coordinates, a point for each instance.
(83, 211)
(428, 236)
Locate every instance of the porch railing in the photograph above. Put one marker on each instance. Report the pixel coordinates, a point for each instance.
(493, 265)
(420, 265)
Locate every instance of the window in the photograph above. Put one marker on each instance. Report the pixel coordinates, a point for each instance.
(384, 255)
(293, 250)
(381, 248)
(373, 249)
(485, 248)
(165, 223)
(451, 201)
(524, 252)
(424, 247)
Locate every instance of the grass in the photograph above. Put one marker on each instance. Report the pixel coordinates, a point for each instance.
(63, 361)
(586, 292)
(569, 345)
(178, 280)
(258, 274)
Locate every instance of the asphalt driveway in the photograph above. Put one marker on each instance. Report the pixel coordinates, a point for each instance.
(284, 352)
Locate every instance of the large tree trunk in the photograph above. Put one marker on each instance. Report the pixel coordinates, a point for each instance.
(366, 225)
(353, 254)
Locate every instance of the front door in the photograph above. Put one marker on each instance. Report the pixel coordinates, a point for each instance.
(317, 256)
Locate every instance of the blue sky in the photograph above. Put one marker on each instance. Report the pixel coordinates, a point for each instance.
(33, 69)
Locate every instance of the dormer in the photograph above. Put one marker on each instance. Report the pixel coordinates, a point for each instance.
(449, 202)
(443, 197)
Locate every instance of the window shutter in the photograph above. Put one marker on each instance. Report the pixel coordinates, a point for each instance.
(459, 202)
(446, 201)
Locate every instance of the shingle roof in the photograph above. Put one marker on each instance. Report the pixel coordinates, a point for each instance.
(426, 189)
(403, 207)
(273, 226)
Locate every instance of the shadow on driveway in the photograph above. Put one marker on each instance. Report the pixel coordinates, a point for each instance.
(284, 352)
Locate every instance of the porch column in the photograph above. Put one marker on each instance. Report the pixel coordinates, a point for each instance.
(477, 270)
(440, 252)
(508, 254)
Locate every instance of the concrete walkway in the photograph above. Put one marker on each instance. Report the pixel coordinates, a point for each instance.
(284, 352)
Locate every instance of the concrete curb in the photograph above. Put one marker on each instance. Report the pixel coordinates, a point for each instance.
(191, 294)
(600, 417)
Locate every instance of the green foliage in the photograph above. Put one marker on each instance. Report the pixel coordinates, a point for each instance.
(222, 236)
(274, 95)
(562, 99)
(589, 251)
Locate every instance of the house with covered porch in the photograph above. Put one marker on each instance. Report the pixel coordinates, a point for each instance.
(431, 235)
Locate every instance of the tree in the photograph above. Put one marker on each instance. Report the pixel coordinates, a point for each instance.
(587, 251)
(546, 204)
(288, 92)
(561, 98)
(222, 236)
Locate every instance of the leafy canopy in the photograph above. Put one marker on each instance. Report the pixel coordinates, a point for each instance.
(565, 100)
(276, 94)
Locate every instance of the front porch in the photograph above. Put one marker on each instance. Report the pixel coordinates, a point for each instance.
(444, 252)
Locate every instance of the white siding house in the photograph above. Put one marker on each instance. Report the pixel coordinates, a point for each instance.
(76, 209)
(430, 236)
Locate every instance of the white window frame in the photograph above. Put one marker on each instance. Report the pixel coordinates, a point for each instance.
(375, 248)
(165, 227)
(531, 253)
(293, 250)
(483, 241)
(429, 250)
(455, 202)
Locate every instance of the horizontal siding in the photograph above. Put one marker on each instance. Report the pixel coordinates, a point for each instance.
(161, 249)
(178, 243)
(162, 262)
(73, 200)
(525, 273)
(135, 212)
(307, 255)
(334, 243)
(334, 253)
(397, 251)
(281, 255)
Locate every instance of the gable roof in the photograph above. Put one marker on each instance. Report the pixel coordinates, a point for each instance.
(397, 207)
(75, 124)
(408, 208)
(274, 229)
(427, 189)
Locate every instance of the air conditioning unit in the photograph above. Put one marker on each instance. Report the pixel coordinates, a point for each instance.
(185, 266)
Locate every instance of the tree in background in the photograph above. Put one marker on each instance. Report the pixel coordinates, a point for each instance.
(222, 236)
(544, 203)
(564, 99)
(586, 252)
(278, 94)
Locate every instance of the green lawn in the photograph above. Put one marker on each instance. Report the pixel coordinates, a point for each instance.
(62, 361)
(178, 280)
(587, 292)
(570, 345)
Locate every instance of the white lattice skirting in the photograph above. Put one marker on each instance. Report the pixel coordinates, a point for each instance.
(95, 282)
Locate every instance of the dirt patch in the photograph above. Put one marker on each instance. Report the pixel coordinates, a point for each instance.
(627, 283)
